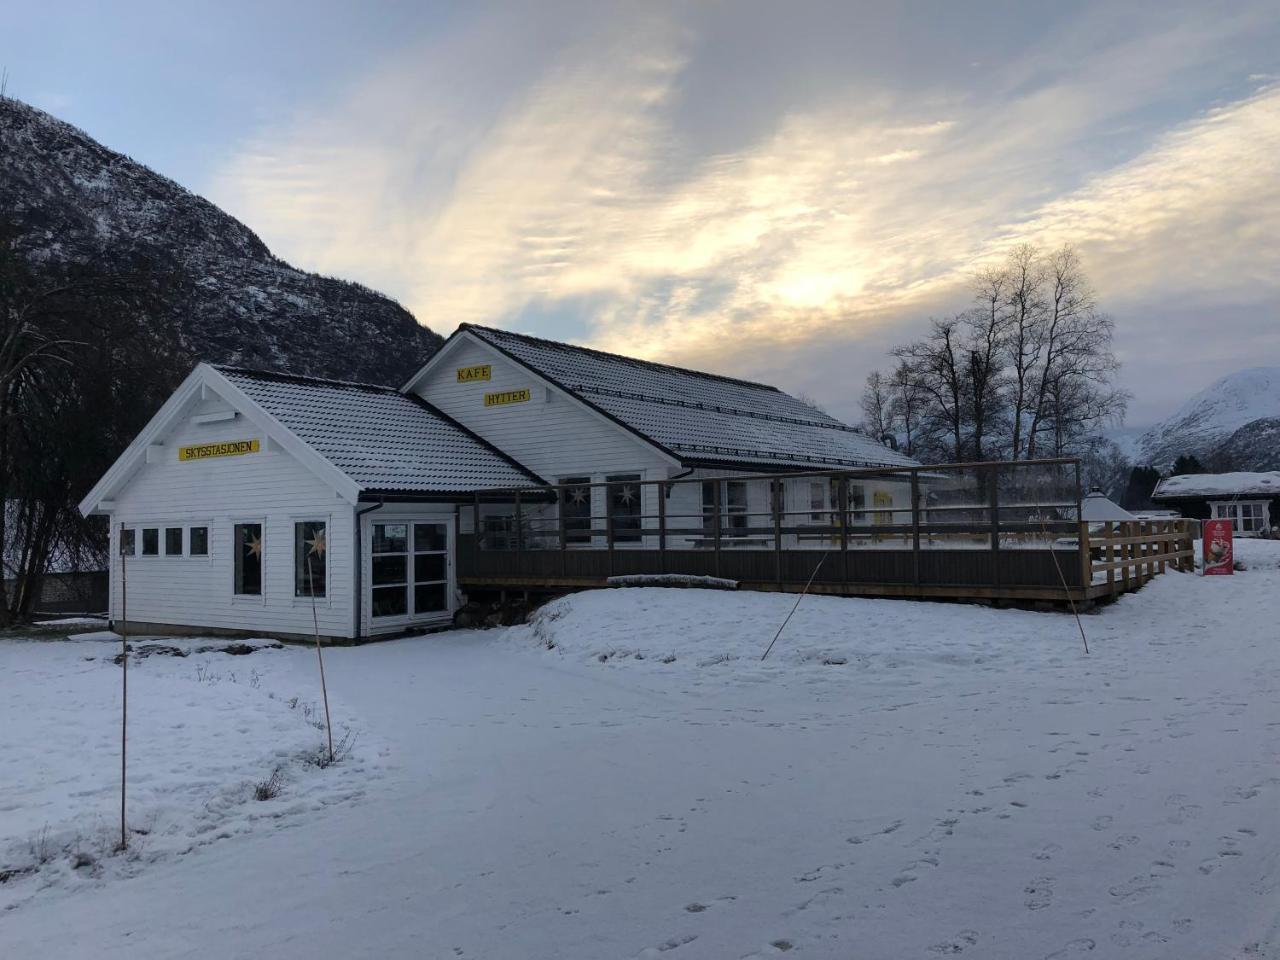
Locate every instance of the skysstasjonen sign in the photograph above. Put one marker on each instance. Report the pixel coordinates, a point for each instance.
(508, 396)
(231, 448)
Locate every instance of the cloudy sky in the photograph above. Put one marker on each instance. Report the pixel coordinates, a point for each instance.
(775, 190)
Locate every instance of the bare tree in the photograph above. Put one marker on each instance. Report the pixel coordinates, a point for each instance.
(937, 365)
(1027, 370)
(877, 406)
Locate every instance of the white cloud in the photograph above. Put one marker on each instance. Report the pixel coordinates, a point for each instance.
(842, 219)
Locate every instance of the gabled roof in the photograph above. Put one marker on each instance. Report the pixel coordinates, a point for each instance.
(700, 418)
(360, 438)
(1211, 485)
(384, 440)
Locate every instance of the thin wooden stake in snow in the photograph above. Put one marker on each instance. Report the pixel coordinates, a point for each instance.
(124, 688)
(796, 606)
(1044, 528)
(315, 622)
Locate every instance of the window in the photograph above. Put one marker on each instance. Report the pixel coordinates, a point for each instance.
(817, 500)
(1247, 517)
(624, 507)
(575, 508)
(310, 548)
(733, 507)
(173, 541)
(248, 553)
(128, 542)
(430, 568)
(390, 576)
(198, 542)
(151, 542)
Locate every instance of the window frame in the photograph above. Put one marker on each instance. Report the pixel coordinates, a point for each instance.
(143, 552)
(261, 595)
(133, 542)
(208, 541)
(625, 534)
(577, 534)
(182, 541)
(306, 598)
(1258, 520)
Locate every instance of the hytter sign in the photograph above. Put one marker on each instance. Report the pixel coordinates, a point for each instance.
(230, 448)
(508, 396)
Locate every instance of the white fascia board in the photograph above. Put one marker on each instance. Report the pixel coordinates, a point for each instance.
(279, 434)
(197, 386)
(136, 451)
(437, 358)
(551, 388)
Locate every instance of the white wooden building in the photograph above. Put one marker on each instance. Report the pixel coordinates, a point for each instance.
(256, 501)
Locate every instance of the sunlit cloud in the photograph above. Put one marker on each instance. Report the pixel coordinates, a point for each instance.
(578, 205)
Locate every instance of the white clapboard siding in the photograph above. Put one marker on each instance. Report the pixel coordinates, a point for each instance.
(551, 434)
(269, 487)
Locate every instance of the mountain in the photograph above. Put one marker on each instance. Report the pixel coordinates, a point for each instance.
(1227, 419)
(1255, 446)
(78, 205)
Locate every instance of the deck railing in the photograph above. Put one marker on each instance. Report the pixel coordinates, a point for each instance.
(972, 529)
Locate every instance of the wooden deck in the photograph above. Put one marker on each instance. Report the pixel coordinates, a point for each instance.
(984, 548)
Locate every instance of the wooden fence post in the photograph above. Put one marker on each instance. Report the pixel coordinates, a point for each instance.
(844, 530)
(776, 499)
(915, 527)
(1086, 558)
(715, 527)
(663, 487)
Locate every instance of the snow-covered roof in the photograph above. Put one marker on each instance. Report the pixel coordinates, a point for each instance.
(700, 418)
(1265, 484)
(1097, 507)
(384, 440)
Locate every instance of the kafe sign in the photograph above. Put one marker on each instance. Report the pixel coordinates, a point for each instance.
(1219, 557)
(481, 371)
(230, 448)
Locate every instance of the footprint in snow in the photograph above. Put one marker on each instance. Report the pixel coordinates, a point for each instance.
(957, 944)
(1039, 893)
(1073, 948)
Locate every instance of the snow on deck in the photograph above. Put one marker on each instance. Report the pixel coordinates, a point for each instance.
(623, 778)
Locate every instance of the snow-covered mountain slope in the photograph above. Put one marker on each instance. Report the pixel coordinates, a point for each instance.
(1212, 416)
(1255, 446)
(78, 206)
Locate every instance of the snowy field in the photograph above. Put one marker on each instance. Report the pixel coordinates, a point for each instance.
(624, 778)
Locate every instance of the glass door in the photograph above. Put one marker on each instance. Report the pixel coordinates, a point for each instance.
(430, 568)
(389, 579)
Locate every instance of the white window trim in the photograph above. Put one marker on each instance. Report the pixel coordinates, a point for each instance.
(207, 556)
(327, 520)
(374, 625)
(164, 541)
(159, 529)
(257, 599)
(1232, 513)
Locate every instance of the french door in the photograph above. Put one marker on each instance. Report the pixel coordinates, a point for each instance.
(409, 569)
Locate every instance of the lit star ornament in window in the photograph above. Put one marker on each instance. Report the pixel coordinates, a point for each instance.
(627, 495)
(316, 545)
(254, 547)
(578, 495)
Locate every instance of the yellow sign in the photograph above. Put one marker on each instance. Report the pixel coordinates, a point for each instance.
(472, 374)
(232, 448)
(510, 396)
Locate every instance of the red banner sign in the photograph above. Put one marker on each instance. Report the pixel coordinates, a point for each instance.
(1218, 554)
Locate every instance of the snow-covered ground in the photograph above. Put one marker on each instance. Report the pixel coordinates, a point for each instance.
(624, 778)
